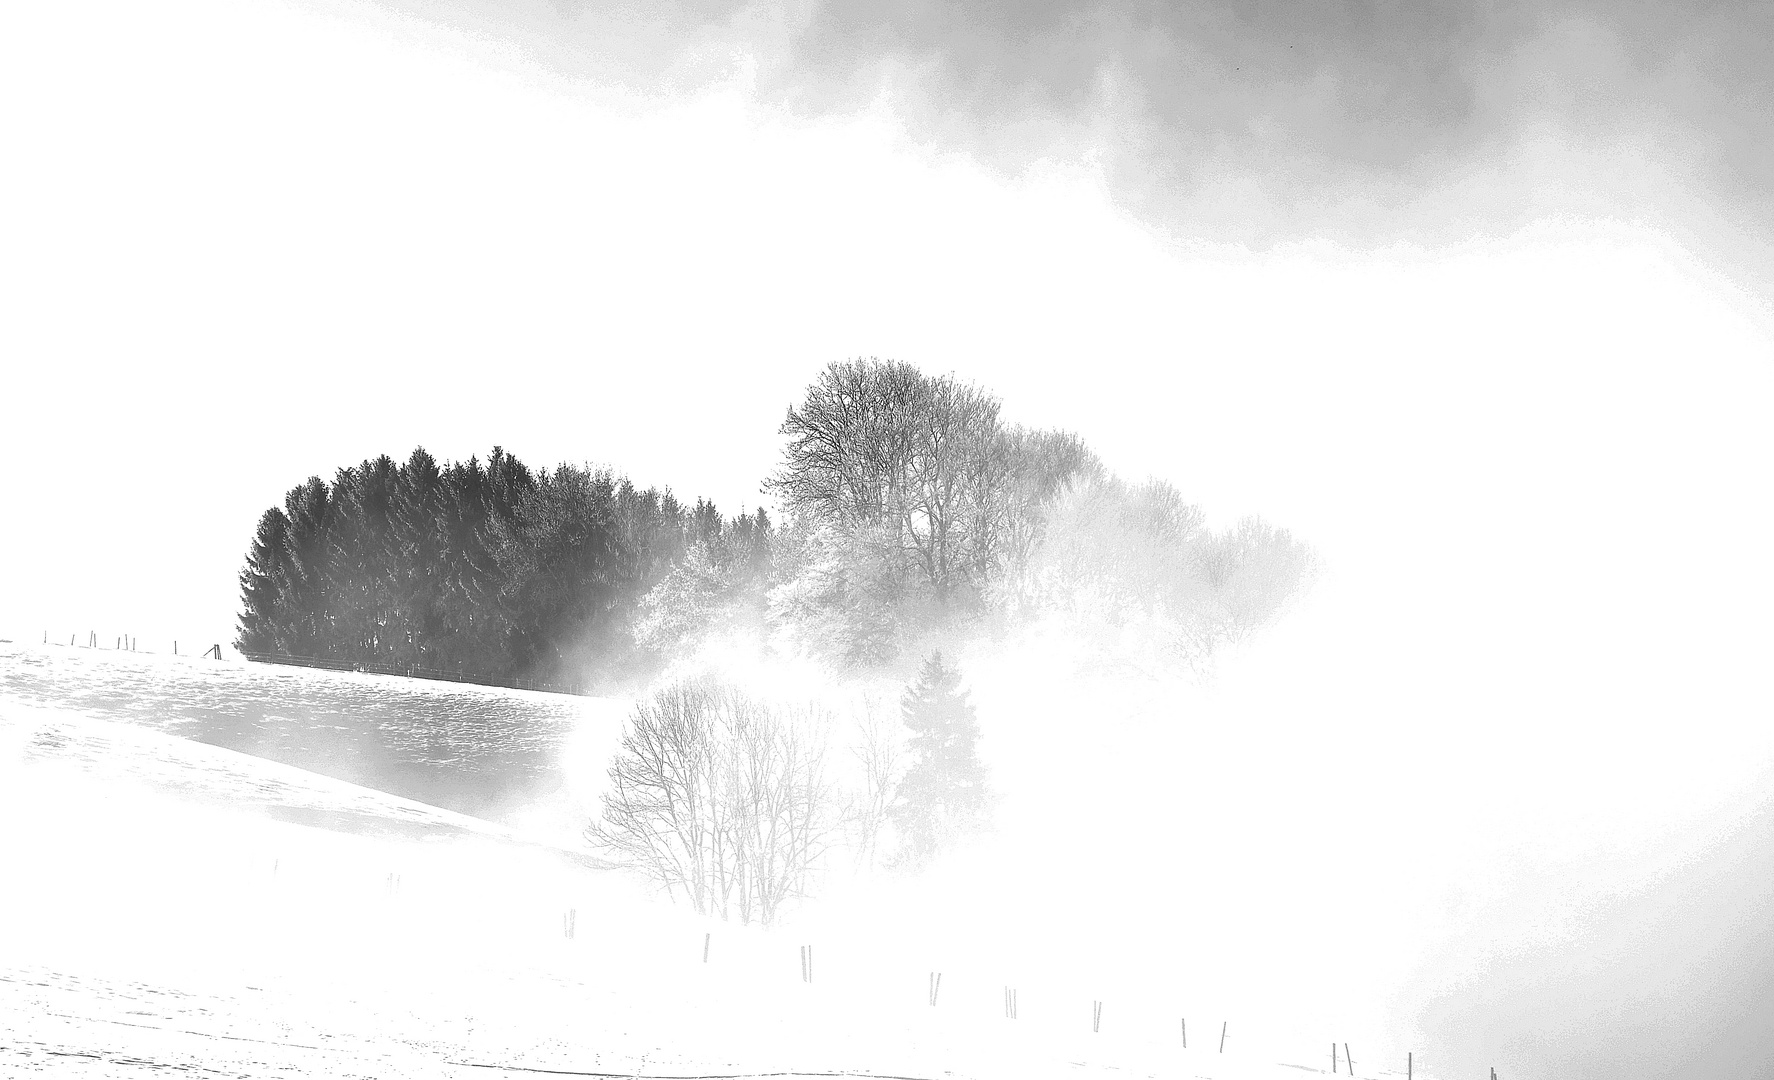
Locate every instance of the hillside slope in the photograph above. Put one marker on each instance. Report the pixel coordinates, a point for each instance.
(158, 913)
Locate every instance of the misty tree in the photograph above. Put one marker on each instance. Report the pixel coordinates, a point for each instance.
(910, 499)
(718, 583)
(943, 793)
(720, 799)
(1111, 552)
(1253, 571)
(1044, 467)
(878, 753)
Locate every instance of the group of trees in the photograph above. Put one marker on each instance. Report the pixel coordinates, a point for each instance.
(911, 512)
(488, 571)
(726, 801)
(909, 507)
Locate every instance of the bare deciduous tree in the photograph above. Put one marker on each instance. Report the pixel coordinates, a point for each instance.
(880, 758)
(910, 467)
(721, 798)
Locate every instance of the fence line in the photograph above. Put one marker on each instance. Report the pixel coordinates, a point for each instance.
(392, 885)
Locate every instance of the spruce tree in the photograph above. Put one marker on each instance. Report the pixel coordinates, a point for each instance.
(265, 610)
(415, 521)
(943, 793)
(306, 552)
(364, 562)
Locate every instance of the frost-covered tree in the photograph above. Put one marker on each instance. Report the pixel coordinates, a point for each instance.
(943, 793)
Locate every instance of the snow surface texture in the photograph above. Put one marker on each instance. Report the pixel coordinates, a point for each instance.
(158, 913)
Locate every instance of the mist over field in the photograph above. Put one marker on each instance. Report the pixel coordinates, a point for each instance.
(1391, 670)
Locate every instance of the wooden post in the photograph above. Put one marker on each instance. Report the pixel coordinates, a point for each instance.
(1185, 1022)
(1096, 1016)
(1408, 1064)
(706, 935)
(1348, 1059)
(1223, 1036)
(935, 986)
(1333, 1059)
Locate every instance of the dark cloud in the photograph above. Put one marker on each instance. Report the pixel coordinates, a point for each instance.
(1363, 121)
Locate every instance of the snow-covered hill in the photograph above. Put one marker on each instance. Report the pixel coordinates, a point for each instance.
(178, 905)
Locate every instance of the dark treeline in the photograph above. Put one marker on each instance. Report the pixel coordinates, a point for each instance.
(492, 571)
(910, 508)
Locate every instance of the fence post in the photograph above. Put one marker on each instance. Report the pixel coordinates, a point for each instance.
(1185, 1022)
(1333, 1059)
(1223, 1036)
(1349, 1059)
(935, 986)
(1408, 1064)
(705, 939)
(1096, 1017)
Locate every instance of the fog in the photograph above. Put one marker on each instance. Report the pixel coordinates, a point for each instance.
(1473, 301)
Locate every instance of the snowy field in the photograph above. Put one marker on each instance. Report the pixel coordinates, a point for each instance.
(175, 906)
(479, 750)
